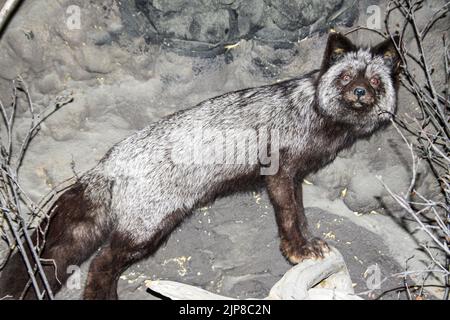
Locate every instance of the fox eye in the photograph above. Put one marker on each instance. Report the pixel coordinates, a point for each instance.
(375, 82)
(346, 77)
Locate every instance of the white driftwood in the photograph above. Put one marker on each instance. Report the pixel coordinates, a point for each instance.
(322, 279)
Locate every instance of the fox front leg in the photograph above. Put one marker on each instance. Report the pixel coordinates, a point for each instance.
(291, 220)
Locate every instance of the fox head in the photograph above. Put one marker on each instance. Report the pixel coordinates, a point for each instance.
(358, 86)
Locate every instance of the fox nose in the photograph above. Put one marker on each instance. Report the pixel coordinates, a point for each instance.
(359, 92)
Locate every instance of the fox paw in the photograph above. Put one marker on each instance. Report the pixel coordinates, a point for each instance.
(315, 248)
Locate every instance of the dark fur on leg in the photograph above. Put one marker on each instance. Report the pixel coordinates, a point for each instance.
(302, 221)
(73, 235)
(121, 252)
(291, 220)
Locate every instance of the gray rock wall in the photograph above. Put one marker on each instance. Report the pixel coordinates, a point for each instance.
(197, 27)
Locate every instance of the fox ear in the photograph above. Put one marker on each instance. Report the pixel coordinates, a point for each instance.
(337, 46)
(387, 50)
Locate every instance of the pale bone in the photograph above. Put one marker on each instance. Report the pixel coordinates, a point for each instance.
(312, 279)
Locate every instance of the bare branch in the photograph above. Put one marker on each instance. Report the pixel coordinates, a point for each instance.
(6, 11)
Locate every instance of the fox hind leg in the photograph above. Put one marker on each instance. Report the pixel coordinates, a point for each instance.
(111, 261)
(121, 252)
(74, 233)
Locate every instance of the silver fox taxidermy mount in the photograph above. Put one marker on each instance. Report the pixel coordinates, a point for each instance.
(124, 208)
